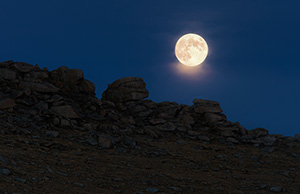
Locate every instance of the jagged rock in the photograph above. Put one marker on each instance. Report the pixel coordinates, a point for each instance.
(6, 63)
(167, 110)
(86, 86)
(71, 81)
(7, 74)
(39, 75)
(258, 132)
(23, 67)
(39, 87)
(206, 106)
(214, 118)
(126, 89)
(66, 111)
(73, 76)
(7, 103)
(242, 130)
(50, 97)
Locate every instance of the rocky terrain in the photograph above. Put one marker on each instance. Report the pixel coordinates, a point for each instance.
(57, 137)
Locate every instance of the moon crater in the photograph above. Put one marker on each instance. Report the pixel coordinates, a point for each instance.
(191, 49)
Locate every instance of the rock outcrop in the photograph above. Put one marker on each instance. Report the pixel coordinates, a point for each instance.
(126, 89)
(41, 108)
(34, 98)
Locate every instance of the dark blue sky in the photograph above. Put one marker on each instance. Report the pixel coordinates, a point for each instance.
(252, 68)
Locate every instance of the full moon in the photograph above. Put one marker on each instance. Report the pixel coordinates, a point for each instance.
(191, 49)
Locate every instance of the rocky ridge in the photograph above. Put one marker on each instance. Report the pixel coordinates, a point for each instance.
(44, 106)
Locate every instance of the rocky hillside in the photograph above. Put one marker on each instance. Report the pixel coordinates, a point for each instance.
(57, 137)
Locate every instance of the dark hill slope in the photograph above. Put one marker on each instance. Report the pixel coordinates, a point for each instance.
(57, 137)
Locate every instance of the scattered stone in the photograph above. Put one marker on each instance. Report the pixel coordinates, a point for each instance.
(61, 173)
(175, 189)
(4, 171)
(20, 180)
(91, 141)
(295, 155)
(276, 188)
(263, 186)
(53, 134)
(152, 190)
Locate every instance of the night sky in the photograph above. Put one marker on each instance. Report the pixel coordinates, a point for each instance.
(252, 68)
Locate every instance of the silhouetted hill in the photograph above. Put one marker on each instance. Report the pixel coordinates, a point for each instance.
(57, 137)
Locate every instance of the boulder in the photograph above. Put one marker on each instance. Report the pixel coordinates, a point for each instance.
(206, 106)
(258, 132)
(71, 81)
(126, 89)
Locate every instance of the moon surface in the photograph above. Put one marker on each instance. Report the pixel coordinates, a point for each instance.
(191, 49)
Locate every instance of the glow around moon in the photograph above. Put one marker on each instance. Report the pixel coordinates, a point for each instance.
(191, 49)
